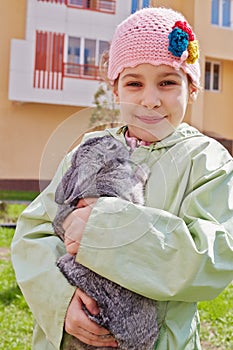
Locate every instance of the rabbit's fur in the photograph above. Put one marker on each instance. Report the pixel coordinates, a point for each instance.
(101, 167)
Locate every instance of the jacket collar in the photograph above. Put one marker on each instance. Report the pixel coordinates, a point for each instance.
(183, 131)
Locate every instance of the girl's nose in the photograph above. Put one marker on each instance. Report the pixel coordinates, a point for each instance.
(151, 98)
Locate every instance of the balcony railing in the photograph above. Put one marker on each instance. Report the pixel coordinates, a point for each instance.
(106, 6)
(55, 1)
(80, 71)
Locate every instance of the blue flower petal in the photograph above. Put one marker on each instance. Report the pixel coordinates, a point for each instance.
(178, 42)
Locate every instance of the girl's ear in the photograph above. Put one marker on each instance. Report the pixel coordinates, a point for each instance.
(116, 99)
(193, 93)
(115, 93)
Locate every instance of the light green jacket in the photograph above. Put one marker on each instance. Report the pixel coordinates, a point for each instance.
(177, 249)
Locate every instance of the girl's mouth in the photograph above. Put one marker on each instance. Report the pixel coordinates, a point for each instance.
(150, 119)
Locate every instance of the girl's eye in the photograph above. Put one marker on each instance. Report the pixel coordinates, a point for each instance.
(167, 83)
(134, 83)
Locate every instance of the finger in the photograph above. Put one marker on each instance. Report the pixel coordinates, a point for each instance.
(89, 302)
(66, 222)
(71, 246)
(72, 232)
(83, 202)
(93, 308)
(74, 222)
(76, 318)
(72, 249)
(69, 219)
(90, 201)
(96, 341)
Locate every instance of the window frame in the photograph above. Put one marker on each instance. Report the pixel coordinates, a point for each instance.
(213, 63)
(104, 6)
(139, 4)
(82, 69)
(217, 19)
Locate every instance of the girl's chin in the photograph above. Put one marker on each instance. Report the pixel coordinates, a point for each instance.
(142, 134)
(152, 134)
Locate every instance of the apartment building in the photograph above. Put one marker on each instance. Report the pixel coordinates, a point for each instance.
(213, 22)
(50, 74)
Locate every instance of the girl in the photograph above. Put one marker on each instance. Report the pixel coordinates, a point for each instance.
(178, 248)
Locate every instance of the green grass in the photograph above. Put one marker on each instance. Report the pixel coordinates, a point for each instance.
(9, 212)
(12, 203)
(217, 321)
(6, 235)
(18, 195)
(16, 319)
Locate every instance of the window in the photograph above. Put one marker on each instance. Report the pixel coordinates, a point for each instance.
(76, 2)
(89, 56)
(103, 46)
(90, 51)
(84, 56)
(73, 55)
(74, 50)
(221, 13)
(139, 4)
(107, 6)
(54, 1)
(212, 76)
(215, 12)
(226, 13)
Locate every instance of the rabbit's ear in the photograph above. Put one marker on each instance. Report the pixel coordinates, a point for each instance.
(82, 183)
(72, 191)
(59, 194)
(62, 188)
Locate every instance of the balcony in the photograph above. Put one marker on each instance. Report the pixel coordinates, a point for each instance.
(80, 71)
(105, 6)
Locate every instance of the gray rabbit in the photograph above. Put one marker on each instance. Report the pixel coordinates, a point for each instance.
(101, 166)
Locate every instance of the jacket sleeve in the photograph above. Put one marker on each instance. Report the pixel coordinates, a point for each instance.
(185, 257)
(35, 250)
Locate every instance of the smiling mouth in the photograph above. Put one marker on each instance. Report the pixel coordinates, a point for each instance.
(150, 120)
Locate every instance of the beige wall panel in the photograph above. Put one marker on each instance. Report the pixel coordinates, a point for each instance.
(175, 4)
(215, 41)
(218, 107)
(34, 137)
(185, 7)
(25, 129)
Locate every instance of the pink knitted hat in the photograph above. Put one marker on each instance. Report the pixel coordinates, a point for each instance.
(157, 36)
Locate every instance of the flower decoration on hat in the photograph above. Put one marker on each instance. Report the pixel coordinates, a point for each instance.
(182, 42)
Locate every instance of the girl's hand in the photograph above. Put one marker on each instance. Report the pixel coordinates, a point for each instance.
(80, 326)
(75, 223)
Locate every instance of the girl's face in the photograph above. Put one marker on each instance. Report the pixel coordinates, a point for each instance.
(153, 100)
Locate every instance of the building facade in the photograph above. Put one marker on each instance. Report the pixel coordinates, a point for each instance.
(50, 74)
(57, 62)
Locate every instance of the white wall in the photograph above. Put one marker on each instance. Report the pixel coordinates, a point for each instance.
(60, 19)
